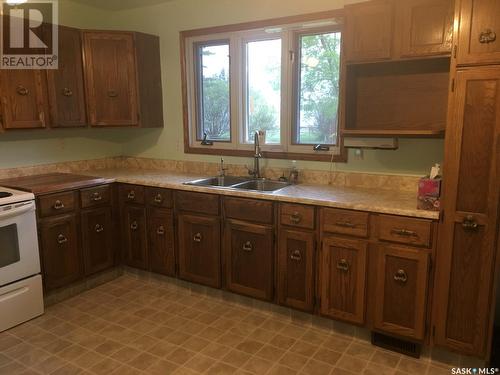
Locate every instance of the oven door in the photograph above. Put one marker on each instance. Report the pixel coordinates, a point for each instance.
(19, 256)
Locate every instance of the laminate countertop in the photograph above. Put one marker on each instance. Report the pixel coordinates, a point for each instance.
(360, 199)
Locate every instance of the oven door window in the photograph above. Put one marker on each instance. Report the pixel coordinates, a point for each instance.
(9, 245)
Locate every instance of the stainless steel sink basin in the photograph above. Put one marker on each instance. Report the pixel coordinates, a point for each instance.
(262, 185)
(223, 181)
(240, 183)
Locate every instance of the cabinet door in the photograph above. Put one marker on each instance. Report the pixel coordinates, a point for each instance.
(401, 291)
(66, 88)
(161, 241)
(135, 236)
(479, 39)
(249, 258)
(342, 279)
(296, 269)
(97, 240)
(111, 78)
(199, 249)
(61, 253)
(466, 248)
(23, 94)
(368, 31)
(425, 27)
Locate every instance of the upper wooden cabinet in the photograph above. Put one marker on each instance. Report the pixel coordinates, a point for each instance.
(123, 79)
(479, 35)
(65, 85)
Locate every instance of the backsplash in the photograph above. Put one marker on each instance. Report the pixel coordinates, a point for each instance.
(334, 178)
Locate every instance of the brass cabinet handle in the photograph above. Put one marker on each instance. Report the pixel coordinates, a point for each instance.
(469, 223)
(96, 197)
(67, 92)
(345, 224)
(21, 90)
(131, 194)
(197, 237)
(401, 277)
(160, 231)
(112, 93)
(343, 265)
(134, 225)
(62, 239)
(404, 232)
(487, 36)
(158, 198)
(99, 228)
(58, 205)
(296, 255)
(247, 246)
(296, 218)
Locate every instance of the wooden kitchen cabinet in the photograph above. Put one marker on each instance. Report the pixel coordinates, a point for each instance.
(199, 249)
(467, 241)
(342, 279)
(134, 232)
(479, 35)
(249, 258)
(161, 240)
(296, 269)
(97, 239)
(401, 291)
(61, 255)
(65, 84)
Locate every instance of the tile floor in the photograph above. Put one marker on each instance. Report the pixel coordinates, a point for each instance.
(137, 326)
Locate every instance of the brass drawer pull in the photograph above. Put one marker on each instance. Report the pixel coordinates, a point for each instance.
(112, 93)
(247, 246)
(487, 36)
(343, 265)
(21, 90)
(469, 223)
(99, 228)
(296, 218)
(345, 224)
(404, 233)
(158, 198)
(131, 194)
(96, 197)
(160, 231)
(58, 205)
(61, 239)
(67, 92)
(296, 255)
(134, 225)
(197, 237)
(401, 277)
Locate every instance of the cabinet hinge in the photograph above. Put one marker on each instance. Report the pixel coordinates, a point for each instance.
(453, 85)
(433, 331)
(455, 49)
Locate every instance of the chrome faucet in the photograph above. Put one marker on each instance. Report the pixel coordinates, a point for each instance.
(255, 172)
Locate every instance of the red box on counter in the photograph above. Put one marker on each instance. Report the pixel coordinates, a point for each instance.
(429, 194)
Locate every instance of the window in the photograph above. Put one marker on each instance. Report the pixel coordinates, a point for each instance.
(282, 81)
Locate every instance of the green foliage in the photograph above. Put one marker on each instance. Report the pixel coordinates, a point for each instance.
(216, 114)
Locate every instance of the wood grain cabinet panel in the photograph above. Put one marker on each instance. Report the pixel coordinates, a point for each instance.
(479, 39)
(401, 291)
(425, 27)
(467, 239)
(296, 269)
(97, 240)
(134, 233)
(342, 279)
(199, 249)
(161, 240)
(249, 258)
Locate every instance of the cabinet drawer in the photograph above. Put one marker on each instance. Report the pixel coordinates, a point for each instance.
(249, 210)
(96, 196)
(159, 197)
(297, 215)
(131, 194)
(56, 204)
(197, 202)
(410, 231)
(345, 222)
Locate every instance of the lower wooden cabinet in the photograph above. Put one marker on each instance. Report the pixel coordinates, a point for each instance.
(61, 255)
(401, 291)
(249, 258)
(161, 240)
(343, 264)
(296, 269)
(199, 249)
(97, 239)
(135, 236)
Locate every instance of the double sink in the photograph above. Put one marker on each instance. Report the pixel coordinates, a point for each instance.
(240, 183)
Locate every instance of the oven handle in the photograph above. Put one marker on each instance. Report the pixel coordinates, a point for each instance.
(13, 293)
(17, 211)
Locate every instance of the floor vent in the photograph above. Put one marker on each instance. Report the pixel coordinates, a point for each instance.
(397, 345)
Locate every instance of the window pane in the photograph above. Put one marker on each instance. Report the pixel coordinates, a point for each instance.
(213, 92)
(318, 94)
(263, 89)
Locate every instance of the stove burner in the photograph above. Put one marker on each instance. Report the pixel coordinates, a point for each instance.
(4, 194)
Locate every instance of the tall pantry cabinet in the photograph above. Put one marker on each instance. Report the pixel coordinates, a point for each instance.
(467, 254)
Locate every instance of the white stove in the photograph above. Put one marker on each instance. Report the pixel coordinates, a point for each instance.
(21, 296)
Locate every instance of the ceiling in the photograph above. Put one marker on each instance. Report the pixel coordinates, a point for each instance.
(120, 4)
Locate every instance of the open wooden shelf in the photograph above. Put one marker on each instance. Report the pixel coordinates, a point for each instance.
(395, 133)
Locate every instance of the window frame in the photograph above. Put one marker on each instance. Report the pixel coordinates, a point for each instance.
(238, 35)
